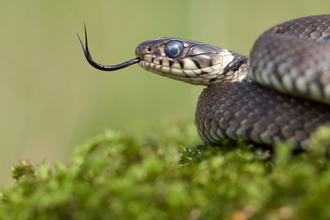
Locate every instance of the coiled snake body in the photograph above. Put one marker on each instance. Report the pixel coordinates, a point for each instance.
(240, 100)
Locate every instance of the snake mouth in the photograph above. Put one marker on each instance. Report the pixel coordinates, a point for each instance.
(202, 76)
(189, 76)
(177, 74)
(101, 66)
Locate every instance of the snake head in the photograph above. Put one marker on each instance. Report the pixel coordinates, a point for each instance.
(184, 60)
(189, 61)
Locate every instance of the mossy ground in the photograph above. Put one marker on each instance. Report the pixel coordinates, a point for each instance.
(117, 176)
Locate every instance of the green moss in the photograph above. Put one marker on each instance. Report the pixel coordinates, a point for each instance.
(116, 176)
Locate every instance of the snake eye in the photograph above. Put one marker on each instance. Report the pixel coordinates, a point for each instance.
(174, 49)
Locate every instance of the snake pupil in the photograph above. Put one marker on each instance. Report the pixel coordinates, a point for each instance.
(174, 49)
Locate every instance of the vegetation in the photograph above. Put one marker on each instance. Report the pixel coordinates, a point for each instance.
(117, 176)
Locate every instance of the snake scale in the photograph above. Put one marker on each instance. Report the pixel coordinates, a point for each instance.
(280, 93)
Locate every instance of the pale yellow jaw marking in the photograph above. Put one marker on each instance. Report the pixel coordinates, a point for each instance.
(190, 72)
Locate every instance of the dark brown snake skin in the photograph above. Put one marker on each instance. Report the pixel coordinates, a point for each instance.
(292, 58)
(250, 111)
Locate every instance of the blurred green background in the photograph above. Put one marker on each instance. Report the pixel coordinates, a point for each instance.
(52, 99)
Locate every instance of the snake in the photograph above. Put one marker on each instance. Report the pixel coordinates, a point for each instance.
(280, 93)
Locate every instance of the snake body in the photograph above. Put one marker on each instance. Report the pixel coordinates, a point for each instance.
(280, 93)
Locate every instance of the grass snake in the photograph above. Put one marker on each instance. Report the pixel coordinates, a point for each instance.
(281, 92)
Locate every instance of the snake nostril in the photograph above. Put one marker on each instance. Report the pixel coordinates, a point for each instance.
(138, 52)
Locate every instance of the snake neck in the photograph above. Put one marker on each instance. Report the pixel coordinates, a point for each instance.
(238, 68)
(235, 69)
